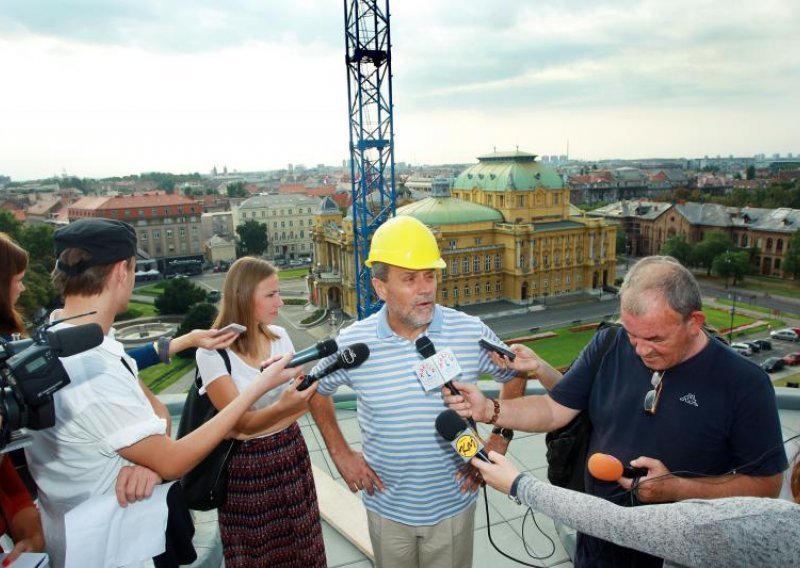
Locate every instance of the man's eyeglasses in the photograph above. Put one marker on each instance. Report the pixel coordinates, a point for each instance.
(652, 396)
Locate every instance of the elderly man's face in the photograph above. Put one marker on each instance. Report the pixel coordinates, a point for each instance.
(410, 296)
(660, 336)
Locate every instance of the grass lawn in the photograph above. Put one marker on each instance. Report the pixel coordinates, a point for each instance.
(759, 309)
(158, 377)
(138, 310)
(150, 290)
(293, 273)
(721, 319)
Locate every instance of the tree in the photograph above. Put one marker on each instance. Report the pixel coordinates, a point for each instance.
(200, 316)
(252, 238)
(622, 242)
(751, 172)
(678, 248)
(179, 295)
(791, 258)
(236, 189)
(733, 264)
(714, 243)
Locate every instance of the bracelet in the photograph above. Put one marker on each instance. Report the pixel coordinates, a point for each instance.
(162, 348)
(512, 493)
(496, 414)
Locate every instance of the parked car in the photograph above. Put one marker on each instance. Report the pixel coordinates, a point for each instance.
(742, 349)
(773, 364)
(792, 358)
(764, 344)
(785, 334)
(753, 345)
(213, 296)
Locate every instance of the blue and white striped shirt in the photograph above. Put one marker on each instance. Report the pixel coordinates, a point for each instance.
(397, 417)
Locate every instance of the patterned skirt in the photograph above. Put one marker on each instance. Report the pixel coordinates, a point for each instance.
(271, 517)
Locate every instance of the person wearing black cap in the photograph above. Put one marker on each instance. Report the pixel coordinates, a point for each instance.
(106, 419)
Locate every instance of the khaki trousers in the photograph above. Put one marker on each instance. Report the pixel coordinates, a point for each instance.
(447, 544)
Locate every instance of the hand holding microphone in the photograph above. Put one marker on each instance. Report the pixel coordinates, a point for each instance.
(608, 468)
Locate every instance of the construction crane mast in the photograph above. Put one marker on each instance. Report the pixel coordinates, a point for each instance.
(369, 97)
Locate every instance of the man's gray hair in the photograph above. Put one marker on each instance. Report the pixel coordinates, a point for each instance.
(380, 270)
(666, 277)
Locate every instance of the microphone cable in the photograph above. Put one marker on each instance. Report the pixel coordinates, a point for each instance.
(532, 514)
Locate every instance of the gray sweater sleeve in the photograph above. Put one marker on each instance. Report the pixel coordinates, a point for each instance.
(736, 531)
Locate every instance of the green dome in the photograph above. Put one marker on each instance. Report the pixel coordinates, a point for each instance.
(436, 211)
(508, 170)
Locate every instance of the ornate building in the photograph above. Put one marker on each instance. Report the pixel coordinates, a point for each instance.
(505, 230)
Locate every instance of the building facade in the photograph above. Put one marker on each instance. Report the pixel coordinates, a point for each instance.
(505, 230)
(167, 226)
(287, 219)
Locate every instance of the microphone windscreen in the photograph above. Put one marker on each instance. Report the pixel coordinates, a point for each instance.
(353, 355)
(425, 346)
(70, 341)
(605, 467)
(327, 347)
(449, 424)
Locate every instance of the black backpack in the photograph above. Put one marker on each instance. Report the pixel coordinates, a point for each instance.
(568, 446)
(205, 486)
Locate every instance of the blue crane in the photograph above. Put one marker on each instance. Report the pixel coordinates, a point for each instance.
(369, 97)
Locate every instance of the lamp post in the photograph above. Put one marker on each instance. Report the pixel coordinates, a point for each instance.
(729, 262)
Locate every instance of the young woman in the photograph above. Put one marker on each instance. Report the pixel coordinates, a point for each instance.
(270, 516)
(18, 514)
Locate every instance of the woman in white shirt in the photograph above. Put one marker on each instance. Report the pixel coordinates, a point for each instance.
(270, 516)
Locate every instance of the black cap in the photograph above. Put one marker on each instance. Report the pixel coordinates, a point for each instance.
(106, 240)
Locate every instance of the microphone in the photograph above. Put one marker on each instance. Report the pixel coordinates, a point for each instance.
(426, 348)
(350, 357)
(73, 340)
(316, 351)
(608, 468)
(465, 440)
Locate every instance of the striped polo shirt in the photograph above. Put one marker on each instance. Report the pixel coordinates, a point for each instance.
(397, 417)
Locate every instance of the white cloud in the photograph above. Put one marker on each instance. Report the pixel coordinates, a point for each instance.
(110, 88)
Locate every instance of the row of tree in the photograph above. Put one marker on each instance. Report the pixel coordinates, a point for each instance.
(717, 253)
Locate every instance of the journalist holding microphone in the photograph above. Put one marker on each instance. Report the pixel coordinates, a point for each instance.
(419, 513)
(666, 398)
(106, 418)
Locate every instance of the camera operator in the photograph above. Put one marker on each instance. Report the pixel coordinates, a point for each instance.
(19, 515)
(106, 419)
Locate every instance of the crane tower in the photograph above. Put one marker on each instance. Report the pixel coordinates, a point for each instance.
(369, 97)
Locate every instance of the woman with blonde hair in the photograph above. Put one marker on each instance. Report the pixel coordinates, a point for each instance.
(270, 516)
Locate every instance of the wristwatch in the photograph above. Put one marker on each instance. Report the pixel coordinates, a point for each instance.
(512, 493)
(506, 433)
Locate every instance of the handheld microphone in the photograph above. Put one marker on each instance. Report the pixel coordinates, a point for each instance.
(608, 468)
(350, 357)
(426, 348)
(73, 340)
(465, 440)
(316, 351)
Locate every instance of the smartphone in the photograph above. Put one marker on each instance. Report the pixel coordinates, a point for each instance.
(238, 328)
(507, 353)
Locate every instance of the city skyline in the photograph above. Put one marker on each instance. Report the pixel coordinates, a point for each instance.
(110, 89)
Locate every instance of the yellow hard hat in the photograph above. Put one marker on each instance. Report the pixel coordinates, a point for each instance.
(405, 242)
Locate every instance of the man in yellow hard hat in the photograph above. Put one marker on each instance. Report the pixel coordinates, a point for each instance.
(420, 499)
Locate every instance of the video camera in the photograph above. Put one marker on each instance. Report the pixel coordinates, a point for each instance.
(30, 372)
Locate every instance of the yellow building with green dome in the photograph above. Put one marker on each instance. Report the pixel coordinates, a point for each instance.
(505, 229)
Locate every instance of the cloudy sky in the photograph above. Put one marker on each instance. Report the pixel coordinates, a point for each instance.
(111, 87)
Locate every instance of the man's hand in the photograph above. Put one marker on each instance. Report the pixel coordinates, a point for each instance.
(656, 486)
(135, 483)
(356, 472)
(470, 403)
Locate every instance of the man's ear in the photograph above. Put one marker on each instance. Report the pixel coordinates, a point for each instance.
(380, 288)
(696, 320)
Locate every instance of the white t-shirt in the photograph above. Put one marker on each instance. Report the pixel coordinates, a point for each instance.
(212, 367)
(101, 411)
